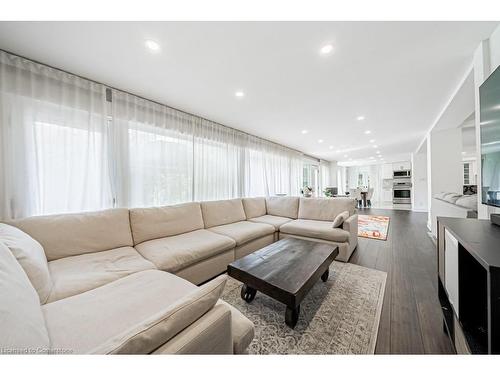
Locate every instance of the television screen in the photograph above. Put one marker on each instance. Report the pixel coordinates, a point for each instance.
(489, 95)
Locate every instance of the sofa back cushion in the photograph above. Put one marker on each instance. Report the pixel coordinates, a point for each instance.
(66, 235)
(254, 207)
(222, 212)
(325, 209)
(22, 324)
(283, 206)
(158, 222)
(30, 255)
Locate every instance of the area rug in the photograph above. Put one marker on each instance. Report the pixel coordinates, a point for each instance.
(340, 316)
(373, 226)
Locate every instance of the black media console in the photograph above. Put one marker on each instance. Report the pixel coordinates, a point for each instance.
(469, 283)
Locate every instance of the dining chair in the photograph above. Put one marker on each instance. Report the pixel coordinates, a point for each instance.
(369, 196)
(357, 194)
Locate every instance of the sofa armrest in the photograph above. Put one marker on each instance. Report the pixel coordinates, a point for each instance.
(242, 328)
(210, 334)
(351, 225)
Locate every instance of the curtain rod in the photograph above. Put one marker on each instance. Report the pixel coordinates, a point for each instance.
(156, 102)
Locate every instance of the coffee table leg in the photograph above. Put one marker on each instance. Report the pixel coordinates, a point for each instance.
(324, 277)
(248, 293)
(291, 316)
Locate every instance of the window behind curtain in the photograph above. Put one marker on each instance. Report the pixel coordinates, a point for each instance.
(153, 153)
(54, 153)
(217, 170)
(160, 166)
(70, 164)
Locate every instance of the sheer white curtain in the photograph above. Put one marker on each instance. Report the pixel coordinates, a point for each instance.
(69, 144)
(218, 164)
(324, 177)
(271, 169)
(54, 146)
(153, 152)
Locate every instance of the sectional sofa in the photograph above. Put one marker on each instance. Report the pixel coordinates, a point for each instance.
(125, 280)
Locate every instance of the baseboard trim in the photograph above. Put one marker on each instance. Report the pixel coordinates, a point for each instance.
(420, 210)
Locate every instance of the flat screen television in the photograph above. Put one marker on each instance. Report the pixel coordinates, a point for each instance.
(489, 96)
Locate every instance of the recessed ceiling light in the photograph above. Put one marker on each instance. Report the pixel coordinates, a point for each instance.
(326, 49)
(338, 151)
(350, 159)
(320, 141)
(345, 156)
(375, 146)
(152, 45)
(305, 131)
(360, 118)
(378, 151)
(372, 140)
(330, 147)
(372, 157)
(239, 94)
(463, 152)
(367, 132)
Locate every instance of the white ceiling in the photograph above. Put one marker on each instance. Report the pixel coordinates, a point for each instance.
(399, 75)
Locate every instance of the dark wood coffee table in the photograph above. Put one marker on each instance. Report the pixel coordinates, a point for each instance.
(285, 270)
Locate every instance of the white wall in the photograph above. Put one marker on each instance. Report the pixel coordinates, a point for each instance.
(486, 60)
(419, 180)
(429, 181)
(446, 164)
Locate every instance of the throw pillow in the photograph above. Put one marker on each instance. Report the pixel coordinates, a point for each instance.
(340, 218)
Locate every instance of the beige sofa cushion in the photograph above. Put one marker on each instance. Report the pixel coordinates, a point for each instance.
(175, 253)
(135, 314)
(283, 206)
(275, 221)
(254, 207)
(244, 231)
(315, 229)
(222, 212)
(22, 326)
(325, 208)
(29, 253)
(74, 275)
(157, 222)
(74, 234)
(211, 334)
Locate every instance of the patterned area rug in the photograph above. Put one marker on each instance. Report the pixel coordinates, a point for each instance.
(373, 226)
(340, 316)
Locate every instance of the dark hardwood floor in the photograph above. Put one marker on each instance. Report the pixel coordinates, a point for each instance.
(411, 321)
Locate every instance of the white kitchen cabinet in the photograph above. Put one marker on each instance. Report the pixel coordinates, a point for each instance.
(387, 171)
(387, 195)
(400, 166)
(451, 268)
